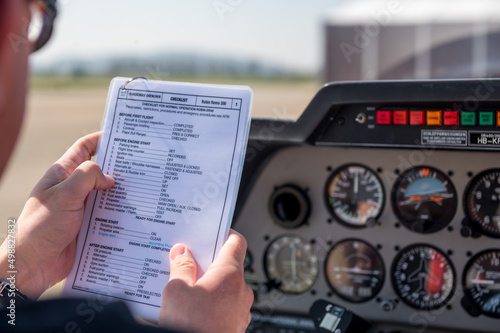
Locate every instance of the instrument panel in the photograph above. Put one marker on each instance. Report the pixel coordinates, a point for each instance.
(400, 227)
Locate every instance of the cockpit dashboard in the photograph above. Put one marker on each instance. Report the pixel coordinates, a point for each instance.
(383, 198)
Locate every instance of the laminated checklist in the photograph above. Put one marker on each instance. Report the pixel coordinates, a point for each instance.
(176, 152)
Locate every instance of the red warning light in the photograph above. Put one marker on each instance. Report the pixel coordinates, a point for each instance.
(417, 118)
(384, 117)
(400, 117)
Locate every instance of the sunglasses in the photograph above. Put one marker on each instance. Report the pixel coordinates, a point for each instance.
(43, 14)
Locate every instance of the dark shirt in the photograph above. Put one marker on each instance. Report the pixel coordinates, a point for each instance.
(73, 316)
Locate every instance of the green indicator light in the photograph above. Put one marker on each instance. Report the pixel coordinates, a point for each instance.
(468, 118)
(486, 118)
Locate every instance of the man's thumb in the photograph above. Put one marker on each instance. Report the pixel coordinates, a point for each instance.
(182, 265)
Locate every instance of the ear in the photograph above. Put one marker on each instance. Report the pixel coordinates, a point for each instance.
(14, 21)
(5, 21)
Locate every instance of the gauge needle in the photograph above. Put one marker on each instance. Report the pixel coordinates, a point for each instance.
(294, 262)
(409, 201)
(356, 182)
(418, 275)
(490, 284)
(479, 281)
(355, 270)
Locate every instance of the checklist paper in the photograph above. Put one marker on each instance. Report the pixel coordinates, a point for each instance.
(176, 153)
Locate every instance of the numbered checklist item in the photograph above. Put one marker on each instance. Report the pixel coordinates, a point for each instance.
(176, 153)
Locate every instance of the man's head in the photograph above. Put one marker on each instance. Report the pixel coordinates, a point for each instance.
(15, 47)
(14, 52)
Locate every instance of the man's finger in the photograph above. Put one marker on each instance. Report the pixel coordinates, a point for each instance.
(86, 177)
(234, 249)
(182, 265)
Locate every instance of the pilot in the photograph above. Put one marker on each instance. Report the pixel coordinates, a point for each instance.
(45, 233)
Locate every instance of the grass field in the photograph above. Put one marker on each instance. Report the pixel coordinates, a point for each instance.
(60, 110)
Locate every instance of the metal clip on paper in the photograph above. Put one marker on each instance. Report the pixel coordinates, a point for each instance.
(133, 79)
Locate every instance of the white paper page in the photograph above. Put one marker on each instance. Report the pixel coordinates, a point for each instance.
(176, 152)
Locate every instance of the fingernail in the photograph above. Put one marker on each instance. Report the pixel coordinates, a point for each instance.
(110, 180)
(177, 251)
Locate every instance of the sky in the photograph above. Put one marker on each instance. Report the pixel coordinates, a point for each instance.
(285, 32)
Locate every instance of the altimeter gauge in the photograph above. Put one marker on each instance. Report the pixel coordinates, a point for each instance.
(355, 195)
(482, 202)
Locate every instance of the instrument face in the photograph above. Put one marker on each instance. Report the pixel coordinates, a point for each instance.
(355, 270)
(424, 199)
(482, 282)
(290, 261)
(354, 194)
(423, 277)
(482, 202)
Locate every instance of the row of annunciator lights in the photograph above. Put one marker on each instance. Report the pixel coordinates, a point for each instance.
(438, 117)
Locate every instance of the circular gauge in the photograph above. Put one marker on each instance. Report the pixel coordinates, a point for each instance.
(355, 195)
(482, 202)
(423, 277)
(482, 282)
(289, 260)
(424, 199)
(289, 206)
(355, 270)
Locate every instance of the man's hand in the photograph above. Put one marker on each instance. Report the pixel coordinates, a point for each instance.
(50, 221)
(219, 301)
